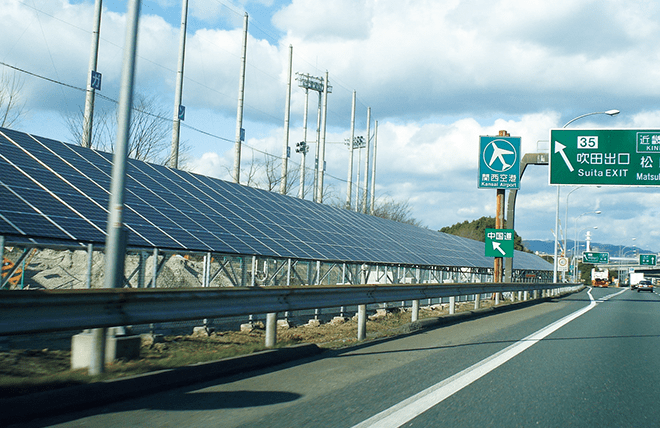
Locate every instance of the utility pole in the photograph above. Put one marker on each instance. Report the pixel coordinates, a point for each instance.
(357, 180)
(240, 132)
(179, 109)
(365, 189)
(319, 85)
(324, 118)
(93, 79)
(287, 112)
(373, 172)
(303, 152)
(116, 238)
(308, 82)
(349, 181)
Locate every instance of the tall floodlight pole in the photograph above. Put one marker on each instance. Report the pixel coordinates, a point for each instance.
(317, 147)
(115, 241)
(365, 188)
(240, 133)
(373, 171)
(179, 109)
(301, 189)
(324, 119)
(287, 112)
(93, 79)
(357, 180)
(349, 181)
(307, 82)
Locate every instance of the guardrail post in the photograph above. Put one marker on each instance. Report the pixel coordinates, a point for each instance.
(97, 352)
(362, 322)
(271, 329)
(90, 255)
(415, 311)
(452, 305)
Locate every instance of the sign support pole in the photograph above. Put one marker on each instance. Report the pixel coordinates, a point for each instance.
(499, 224)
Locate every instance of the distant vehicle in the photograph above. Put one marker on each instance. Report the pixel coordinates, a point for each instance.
(645, 285)
(600, 278)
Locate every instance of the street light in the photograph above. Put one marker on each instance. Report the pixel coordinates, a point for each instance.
(608, 112)
(554, 270)
(566, 221)
(575, 226)
(575, 247)
(622, 254)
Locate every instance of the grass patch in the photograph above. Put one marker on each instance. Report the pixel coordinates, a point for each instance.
(27, 371)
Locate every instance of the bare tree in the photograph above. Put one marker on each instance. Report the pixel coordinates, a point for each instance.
(12, 108)
(148, 134)
(398, 211)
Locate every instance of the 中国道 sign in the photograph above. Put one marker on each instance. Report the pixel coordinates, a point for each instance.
(602, 157)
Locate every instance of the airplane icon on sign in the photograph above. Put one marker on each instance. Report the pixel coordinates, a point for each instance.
(499, 154)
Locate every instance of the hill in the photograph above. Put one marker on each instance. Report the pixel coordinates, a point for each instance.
(546, 247)
(476, 229)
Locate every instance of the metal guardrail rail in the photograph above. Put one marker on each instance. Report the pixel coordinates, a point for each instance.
(36, 311)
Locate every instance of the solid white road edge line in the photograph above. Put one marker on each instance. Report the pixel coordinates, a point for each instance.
(417, 404)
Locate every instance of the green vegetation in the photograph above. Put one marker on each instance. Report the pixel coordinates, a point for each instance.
(476, 230)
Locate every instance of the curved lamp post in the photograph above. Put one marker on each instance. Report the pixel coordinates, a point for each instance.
(554, 270)
(608, 112)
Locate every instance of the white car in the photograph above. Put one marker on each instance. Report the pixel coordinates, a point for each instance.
(645, 285)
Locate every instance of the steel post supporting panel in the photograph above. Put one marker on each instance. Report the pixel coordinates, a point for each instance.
(32, 311)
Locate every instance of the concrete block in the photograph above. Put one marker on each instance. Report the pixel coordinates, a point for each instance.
(116, 347)
(338, 320)
(283, 324)
(201, 331)
(149, 339)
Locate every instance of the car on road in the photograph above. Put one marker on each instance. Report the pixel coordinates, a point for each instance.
(645, 285)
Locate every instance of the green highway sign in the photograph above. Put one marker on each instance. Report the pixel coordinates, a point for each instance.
(601, 157)
(499, 242)
(499, 162)
(595, 258)
(647, 259)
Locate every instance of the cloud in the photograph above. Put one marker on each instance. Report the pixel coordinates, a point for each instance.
(319, 20)
(437, 75)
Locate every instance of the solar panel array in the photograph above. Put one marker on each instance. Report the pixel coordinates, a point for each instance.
(54, 192)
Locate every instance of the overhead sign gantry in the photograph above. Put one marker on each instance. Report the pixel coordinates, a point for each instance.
(602, 157)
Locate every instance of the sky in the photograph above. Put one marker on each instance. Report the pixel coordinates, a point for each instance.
(436, 75)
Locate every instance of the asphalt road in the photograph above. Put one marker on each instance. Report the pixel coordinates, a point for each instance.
(576, 361)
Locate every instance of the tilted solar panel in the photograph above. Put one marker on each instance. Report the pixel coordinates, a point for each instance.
(56, 192)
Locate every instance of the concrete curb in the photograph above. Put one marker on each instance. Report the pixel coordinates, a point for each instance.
(76, 398)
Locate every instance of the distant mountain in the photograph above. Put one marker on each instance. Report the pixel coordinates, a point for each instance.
(546, 247)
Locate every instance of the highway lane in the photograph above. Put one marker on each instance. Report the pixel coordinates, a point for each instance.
(596, 369)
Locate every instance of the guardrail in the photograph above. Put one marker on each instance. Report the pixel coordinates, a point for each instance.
(35, 311)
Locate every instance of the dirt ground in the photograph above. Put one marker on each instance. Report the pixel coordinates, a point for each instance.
(24, 371)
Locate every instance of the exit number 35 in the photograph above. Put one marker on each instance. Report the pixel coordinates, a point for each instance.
(587, 142)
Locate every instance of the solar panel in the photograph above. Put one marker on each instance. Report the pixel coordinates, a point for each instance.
(56, 192)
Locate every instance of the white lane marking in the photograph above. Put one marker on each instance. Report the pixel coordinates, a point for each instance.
(417, 404)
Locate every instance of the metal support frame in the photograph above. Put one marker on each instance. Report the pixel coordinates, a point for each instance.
(294, 272)
(528, 159)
